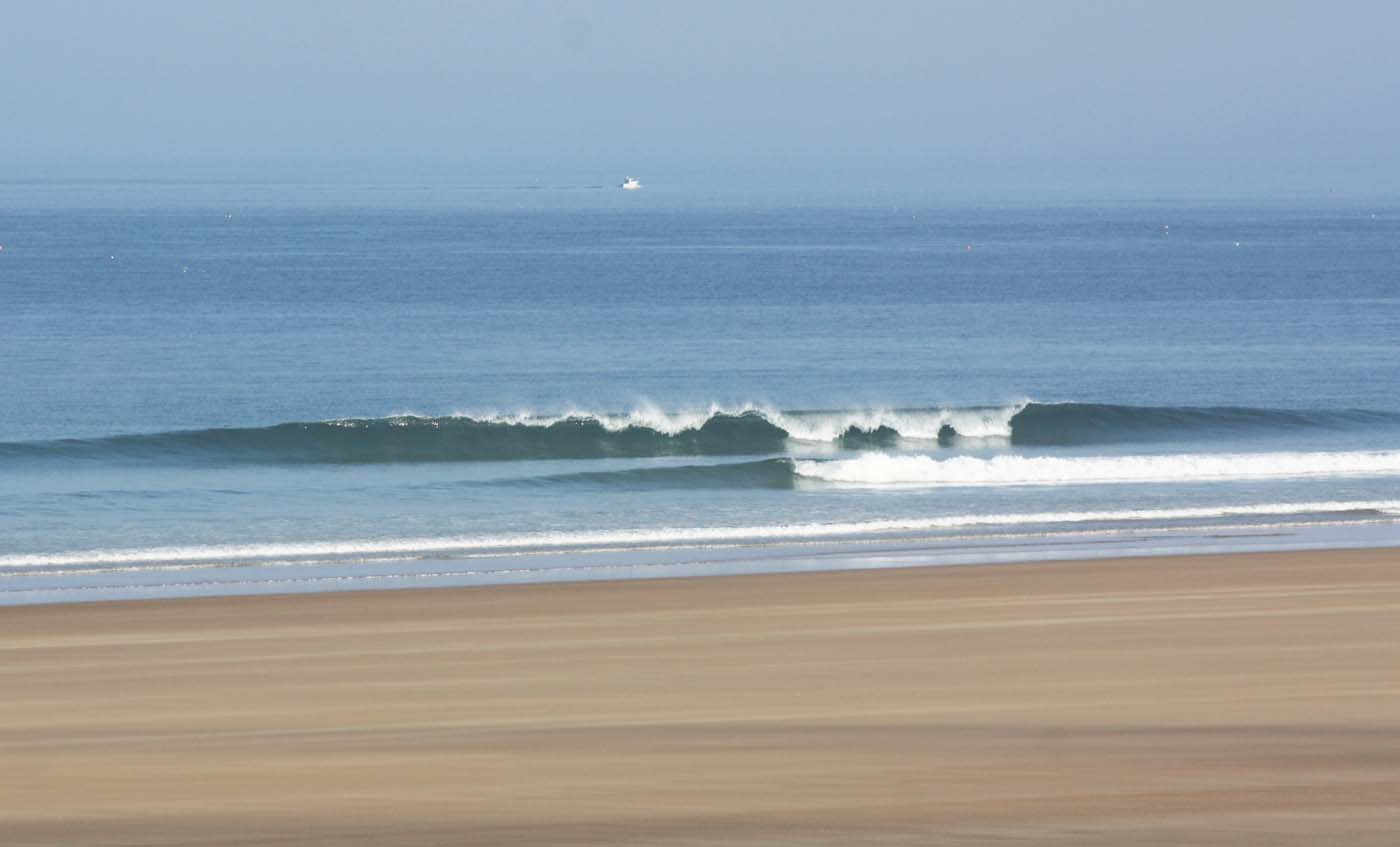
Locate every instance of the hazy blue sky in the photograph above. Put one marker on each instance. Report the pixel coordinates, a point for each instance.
(970, 96)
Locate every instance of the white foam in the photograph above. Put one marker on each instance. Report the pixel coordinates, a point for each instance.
(645, 415)
(876, 469)
(922, 424)
(651, 538)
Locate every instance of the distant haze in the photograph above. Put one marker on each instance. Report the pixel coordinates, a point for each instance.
(997, 97)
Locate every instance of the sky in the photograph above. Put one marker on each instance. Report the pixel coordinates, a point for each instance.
(968, 97)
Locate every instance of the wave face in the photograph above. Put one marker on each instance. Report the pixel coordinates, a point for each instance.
(654, 433)
(576, 435)
(423, 439)
(885, 469)
(1069, 424)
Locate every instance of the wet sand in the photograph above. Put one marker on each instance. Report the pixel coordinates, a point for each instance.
(1243, 699)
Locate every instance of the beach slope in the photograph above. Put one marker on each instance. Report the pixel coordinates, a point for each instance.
(1243, 699)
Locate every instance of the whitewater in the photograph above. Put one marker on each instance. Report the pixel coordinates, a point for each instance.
(670, 536)
(885, 469)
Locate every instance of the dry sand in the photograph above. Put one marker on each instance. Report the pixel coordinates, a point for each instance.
(1249, 699)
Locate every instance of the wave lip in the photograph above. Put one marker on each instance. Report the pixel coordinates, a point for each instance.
(877, 469)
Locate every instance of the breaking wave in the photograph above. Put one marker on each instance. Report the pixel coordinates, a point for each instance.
(650, 432)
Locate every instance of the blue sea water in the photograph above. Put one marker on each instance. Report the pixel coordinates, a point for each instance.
(226, 389)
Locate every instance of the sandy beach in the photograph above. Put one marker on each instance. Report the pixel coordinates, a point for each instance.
(1244, 699)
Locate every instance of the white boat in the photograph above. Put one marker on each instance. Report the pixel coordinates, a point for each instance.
(631, 184)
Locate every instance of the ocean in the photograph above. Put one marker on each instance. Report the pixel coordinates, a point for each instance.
(223, 389)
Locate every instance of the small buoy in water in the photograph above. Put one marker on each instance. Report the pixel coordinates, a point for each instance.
(184, 269)
(969, 247)
(112, 257)
(1237, 244)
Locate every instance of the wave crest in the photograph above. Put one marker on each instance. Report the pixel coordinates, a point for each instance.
(643, 433)
(650, 432)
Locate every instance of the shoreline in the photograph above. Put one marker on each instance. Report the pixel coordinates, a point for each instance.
(1216, 699)
(609, 564)
(1037, 556)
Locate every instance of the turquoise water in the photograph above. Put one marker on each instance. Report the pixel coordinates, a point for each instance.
(212, 389)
